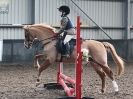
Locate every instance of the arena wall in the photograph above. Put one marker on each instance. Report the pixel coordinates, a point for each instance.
(114, 16)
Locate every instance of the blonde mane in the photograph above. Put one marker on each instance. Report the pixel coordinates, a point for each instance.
(45, 26)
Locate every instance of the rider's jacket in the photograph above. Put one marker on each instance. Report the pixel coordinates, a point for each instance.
(66, 24)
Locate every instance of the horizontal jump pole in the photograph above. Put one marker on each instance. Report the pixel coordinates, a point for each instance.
(67, 78)
(69, 91)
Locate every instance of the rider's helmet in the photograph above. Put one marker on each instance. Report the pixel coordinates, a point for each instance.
(64, 9)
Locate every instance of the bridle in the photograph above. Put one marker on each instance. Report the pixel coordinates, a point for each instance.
(28, 42)
(28, 35)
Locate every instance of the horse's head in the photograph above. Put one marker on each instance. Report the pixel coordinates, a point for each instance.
(29, 37)
(42, 32)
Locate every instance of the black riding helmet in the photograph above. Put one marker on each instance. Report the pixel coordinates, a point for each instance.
(64, 9)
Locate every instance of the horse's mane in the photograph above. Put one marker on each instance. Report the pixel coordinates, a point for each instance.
(45, 26)
(41, 26)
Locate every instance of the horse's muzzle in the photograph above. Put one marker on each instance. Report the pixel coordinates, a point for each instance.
(29, 45)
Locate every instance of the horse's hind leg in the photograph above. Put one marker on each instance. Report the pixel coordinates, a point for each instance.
(110, 74)
(102, 75)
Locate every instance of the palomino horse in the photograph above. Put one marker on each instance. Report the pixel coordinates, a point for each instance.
(97, 50)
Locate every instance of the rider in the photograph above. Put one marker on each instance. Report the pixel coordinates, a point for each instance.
(67, 29)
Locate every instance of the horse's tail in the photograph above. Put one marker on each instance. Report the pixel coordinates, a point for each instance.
(118, 60)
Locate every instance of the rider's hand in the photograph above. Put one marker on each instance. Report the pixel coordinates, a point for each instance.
(56, 34)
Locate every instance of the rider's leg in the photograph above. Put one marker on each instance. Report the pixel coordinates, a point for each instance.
(67, 49)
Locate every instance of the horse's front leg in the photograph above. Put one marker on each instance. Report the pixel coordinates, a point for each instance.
(38, 56)
(41, 68)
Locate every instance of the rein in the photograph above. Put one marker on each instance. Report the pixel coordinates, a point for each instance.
(47, 38)
(37, 44)
(42, 39)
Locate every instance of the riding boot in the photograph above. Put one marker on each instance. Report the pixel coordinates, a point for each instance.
(67, 50)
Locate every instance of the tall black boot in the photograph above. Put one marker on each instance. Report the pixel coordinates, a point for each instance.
(67, 49)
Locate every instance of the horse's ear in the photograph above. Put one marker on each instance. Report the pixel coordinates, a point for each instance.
(25, 27)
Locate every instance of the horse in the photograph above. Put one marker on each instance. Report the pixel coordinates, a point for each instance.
(97, 50)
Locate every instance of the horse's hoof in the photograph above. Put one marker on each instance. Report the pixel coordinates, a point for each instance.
(102, 91)
(35, 66)
(116, 92)
(37, 83)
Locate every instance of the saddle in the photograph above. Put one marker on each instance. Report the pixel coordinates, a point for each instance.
(61, 47)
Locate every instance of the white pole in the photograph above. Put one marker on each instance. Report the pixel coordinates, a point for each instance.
(1, 49)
